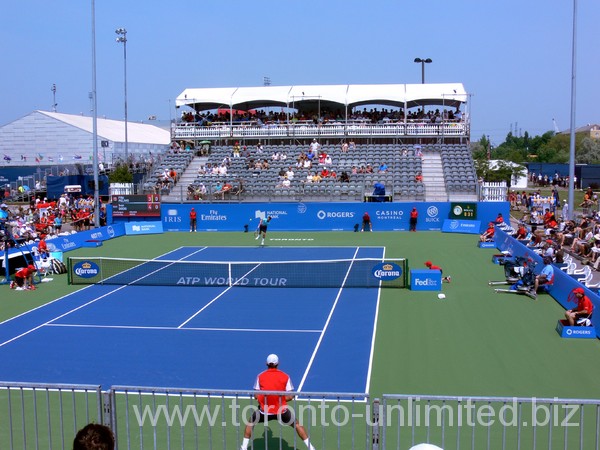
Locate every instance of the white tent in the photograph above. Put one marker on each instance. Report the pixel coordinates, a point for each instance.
(338, 96)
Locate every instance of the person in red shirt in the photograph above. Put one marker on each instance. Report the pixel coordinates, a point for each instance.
(43, 248)
(414, 215)
(24, 278)
(584, 309)
(431, 266)
(274, 407)
(366, 222)
(193, 217)
(489, 233)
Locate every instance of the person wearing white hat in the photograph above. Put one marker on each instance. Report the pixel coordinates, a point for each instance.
(274, 407)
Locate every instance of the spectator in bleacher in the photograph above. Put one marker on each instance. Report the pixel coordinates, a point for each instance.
(344, 147)
(344, 178)
(259, 148)
(521, 233)
(315, 147)
(290, 173)
(383, 168)
(351, 146)
(369, 169)
(419, 177)
(324, 172)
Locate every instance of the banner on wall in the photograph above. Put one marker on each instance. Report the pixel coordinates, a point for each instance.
(461, 226)
(320, 216)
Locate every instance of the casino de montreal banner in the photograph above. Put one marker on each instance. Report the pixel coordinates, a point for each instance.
(461, 226)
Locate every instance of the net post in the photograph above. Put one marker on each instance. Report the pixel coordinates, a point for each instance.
(69, 268)
(230, 274)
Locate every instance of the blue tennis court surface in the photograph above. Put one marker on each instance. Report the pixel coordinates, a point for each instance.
(201, 337)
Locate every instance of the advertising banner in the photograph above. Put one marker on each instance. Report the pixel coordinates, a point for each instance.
(461, 226)
(143, 228)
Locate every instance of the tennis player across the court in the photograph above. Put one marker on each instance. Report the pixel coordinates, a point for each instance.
(274, 407)
(262, 229)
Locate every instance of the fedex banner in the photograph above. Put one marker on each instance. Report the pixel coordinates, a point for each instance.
(461, 226)
(320, 216)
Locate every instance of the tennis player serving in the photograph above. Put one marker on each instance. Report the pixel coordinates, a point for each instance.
(262, 229)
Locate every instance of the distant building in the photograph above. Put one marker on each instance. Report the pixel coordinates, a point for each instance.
(592, 131)
(49, 138)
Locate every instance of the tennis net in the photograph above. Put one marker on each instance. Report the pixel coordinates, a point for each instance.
(362, 272)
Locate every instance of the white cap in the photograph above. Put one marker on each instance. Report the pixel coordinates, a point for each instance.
(273, 359)
(441, 296)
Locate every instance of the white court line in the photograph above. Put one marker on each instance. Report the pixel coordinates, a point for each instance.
(314, 354)
(370, 368)
(218, 296)
(61, 316)
(133, 327)
(74, 309)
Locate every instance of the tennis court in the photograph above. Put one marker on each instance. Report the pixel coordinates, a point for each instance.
(213, 337)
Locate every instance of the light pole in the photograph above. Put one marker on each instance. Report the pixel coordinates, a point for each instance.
(122, 32)
(54, 104)
(423, 62)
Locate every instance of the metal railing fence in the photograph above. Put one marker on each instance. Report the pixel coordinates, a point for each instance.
(452, 422)
(204, 419)
(36, 416)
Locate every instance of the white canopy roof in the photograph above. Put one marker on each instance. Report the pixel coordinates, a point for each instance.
(114, 130)
(338, 96)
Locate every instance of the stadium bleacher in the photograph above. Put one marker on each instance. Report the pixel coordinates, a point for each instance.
(403, 163)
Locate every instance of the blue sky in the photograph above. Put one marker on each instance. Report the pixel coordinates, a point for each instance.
(514, 57)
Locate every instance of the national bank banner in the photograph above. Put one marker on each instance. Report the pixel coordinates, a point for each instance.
(154, 227)
(317, 216)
